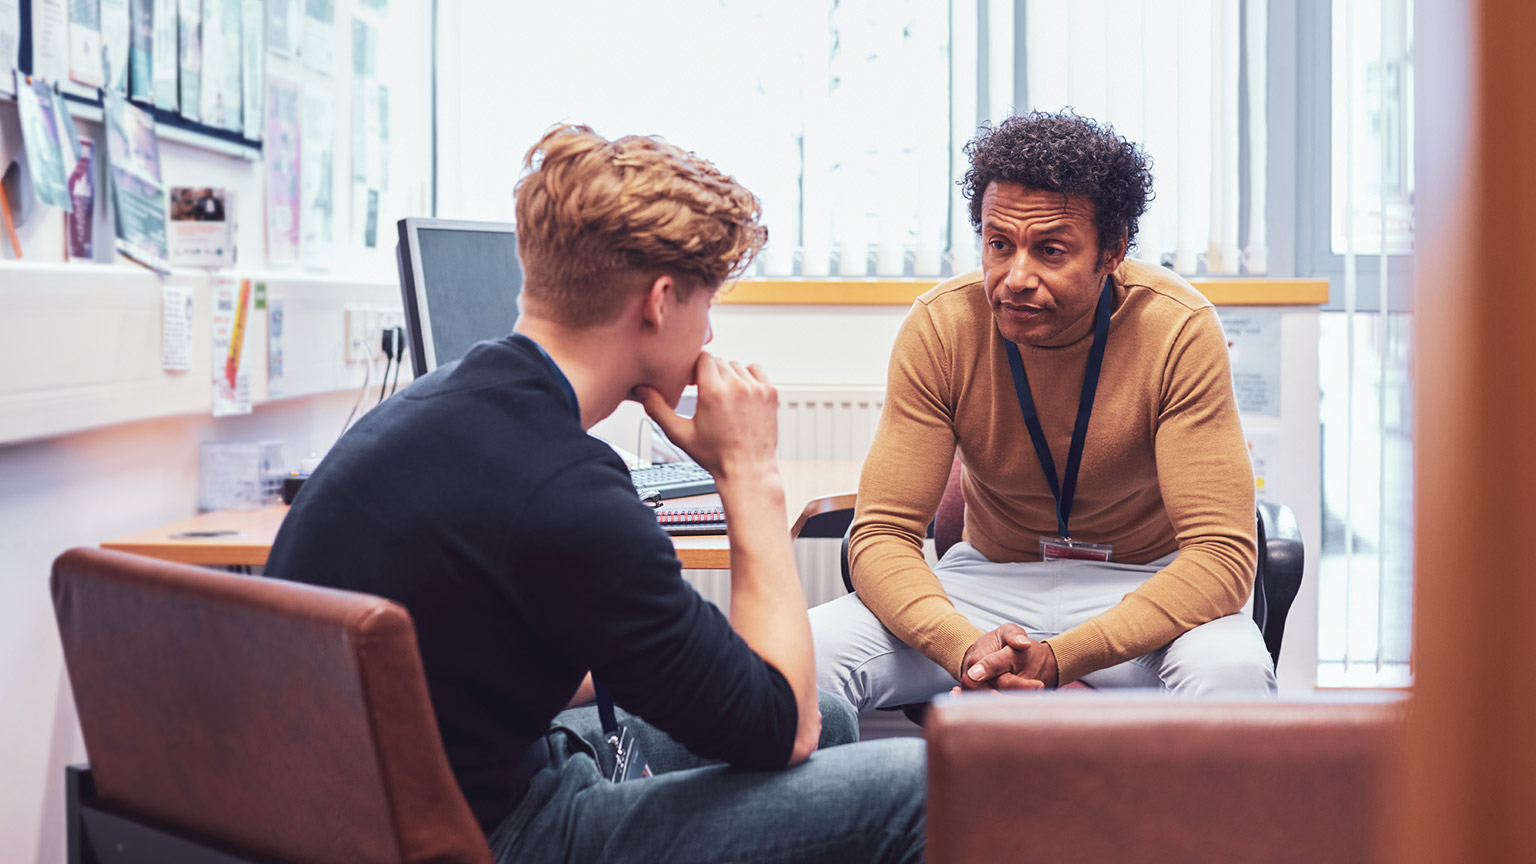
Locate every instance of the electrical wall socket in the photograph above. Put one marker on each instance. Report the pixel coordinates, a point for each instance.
(364, 330)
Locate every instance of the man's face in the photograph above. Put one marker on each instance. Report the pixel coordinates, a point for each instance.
(688, 330)
(1040, 261)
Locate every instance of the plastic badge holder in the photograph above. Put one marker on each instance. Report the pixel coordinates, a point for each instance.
(239, 475)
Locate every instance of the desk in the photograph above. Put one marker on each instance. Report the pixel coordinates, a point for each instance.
(254, 530)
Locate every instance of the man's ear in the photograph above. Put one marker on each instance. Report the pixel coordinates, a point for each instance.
(1114, 256)
(657, 302)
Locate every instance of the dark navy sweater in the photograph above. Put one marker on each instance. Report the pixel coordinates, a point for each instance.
(475, 499)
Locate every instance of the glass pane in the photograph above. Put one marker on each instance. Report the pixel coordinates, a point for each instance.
(1372, 126)
(1365, 569)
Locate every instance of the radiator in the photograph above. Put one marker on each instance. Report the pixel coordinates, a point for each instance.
(814, 423)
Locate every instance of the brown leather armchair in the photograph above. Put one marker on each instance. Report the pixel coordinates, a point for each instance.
(229, 718)
(1100, 776)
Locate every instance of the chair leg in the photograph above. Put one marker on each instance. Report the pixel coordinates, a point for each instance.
(78, 784)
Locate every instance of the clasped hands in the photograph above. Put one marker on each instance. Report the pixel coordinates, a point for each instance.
(1007, 659)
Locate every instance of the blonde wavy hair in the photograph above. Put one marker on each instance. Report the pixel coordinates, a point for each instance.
(598, 220)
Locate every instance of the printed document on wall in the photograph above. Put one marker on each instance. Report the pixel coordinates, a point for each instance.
(176, 327)
(190, 30)
(165, 57)
(274, 346)
(10, 42)
(50, 39)
(285, 23)
(317, 213)
(253, 71)
(1253, 341)
(320, 35)
(230, 359)
(133, 172)
(115, 41)
(44, 145)
(282, 163)
(85, 42)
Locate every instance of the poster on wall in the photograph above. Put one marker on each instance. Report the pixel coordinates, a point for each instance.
(133, 173)
(215, 56)
(1253, 343)
(115, 41)
(85, 43)
(10, 42)
(141, 51)
(253, 71)
(230, 363)
(282, 163)
(317, 187)
(190, 35)
(176, 327)
(165, 58)
(274, 346)
(80, 224)
(41, 139)
(285, 21)
(320, 35)
(202, 227)
(50, 40)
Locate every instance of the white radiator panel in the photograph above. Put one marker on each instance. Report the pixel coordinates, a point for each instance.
(828, 422)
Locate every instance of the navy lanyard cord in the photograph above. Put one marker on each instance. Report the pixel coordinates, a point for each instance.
(1065, 490)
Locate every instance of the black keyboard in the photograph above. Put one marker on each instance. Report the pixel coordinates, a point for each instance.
(673, 480)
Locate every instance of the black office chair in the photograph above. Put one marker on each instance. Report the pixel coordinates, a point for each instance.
(1277, 578)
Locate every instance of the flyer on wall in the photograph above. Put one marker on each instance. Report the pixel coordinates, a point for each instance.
(10, 42)
(115, 41)
(320, 35)
(231, 369)
(214, 56)
(85, 43)
(202, 230)
(42, 142)
(317, 184)
(80, 224)
(274, 347)
(190, 33)
(285, 21)
(163, 63)
(50, 40)
(253, 70)
(141, 51)
(133, 174)
(282, 162)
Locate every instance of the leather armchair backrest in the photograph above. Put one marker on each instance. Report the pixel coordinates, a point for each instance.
(1096, 776)
(284, 719)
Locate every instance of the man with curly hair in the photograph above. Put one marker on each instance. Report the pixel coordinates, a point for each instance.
(535, 576)
(1127, 565)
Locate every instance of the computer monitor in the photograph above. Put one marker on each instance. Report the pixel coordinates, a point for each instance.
(459, 282)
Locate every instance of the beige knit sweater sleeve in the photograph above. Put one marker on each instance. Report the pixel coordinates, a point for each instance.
(899, 491)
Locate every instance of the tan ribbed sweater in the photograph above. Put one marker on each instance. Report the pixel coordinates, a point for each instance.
(1164, 467)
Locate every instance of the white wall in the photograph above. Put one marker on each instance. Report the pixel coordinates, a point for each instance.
(96, 441)
(77, 490)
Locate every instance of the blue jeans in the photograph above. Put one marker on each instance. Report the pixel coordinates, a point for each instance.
(861, 802)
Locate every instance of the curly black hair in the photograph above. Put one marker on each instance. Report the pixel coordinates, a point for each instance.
(1066, 153)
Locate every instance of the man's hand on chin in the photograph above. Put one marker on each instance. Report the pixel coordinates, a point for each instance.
(1007, 659)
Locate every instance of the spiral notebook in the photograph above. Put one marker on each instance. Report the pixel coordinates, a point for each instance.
(691, 520)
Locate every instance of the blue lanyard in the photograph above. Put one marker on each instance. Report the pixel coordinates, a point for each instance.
(1066, 490)
(565, 383)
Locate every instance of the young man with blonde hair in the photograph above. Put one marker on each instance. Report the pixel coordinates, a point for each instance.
(477, 500)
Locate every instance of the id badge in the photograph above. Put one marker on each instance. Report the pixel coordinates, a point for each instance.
(630, 763)
(1062, 549)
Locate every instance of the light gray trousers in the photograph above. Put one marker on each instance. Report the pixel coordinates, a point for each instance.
(859, 658)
